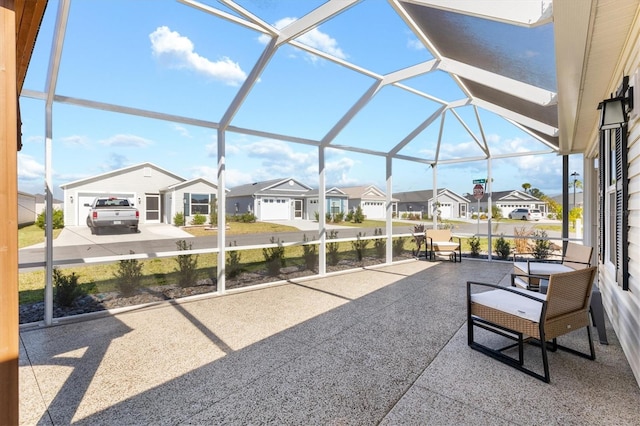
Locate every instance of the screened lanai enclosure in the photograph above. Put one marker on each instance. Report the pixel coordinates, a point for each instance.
(403, 95)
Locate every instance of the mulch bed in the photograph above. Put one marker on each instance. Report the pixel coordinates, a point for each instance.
(34, 312)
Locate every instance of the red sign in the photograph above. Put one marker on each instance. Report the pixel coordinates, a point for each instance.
(478, 192)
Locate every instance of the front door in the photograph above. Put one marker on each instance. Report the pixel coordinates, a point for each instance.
(152, 208)
(297, 209)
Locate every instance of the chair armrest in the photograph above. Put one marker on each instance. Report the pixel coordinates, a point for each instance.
(499, 287)
(527, 280)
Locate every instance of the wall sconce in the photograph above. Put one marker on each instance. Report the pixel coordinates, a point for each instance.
(139, 200)
(613, 112)
(71, 199)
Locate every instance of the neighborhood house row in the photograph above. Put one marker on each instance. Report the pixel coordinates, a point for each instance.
(160, 194)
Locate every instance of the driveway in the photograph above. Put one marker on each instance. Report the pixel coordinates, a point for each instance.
(81, 235)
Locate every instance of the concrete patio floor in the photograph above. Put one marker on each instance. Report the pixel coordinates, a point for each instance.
(380, 346)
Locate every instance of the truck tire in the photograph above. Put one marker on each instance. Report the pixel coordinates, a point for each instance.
(134, 229)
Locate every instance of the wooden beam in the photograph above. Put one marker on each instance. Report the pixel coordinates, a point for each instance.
(9, 400)
(29, 16)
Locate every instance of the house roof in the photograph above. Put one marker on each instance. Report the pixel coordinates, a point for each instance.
(189, 182)
(506, 196)
(334, 191)
(116, 172)
(258, 188)
(424, 195)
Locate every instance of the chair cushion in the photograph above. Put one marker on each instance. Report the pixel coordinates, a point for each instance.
(512, 303)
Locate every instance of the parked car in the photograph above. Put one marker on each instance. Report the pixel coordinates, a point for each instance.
(526, 214)
(110, 212)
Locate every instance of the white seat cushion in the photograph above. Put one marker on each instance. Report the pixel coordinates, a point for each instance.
(512, 303)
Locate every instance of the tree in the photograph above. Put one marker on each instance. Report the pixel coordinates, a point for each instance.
(536, 193)
(526, 186)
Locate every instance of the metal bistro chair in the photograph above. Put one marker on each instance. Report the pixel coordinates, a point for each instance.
(529, 316)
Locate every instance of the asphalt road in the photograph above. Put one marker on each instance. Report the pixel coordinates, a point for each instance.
(76, 243)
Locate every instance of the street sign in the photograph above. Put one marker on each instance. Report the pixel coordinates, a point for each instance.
(479, 181)
(478, 192)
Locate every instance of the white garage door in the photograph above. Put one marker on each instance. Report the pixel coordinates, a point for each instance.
(445, 211)
(274, 209)
(373, 209)
(82, 212)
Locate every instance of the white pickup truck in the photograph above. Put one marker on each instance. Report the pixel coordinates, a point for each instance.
(112, 212)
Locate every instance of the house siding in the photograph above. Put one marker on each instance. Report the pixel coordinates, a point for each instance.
(26, 209)
(132, 183)
(623, 307)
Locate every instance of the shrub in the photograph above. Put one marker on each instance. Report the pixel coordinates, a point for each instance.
(199, 219)
(398, 246)
(187, 265)
(327, 217)
(274, 257)
(359, 246)
(522, 239)
(309, 254)
(542, 245)
(248, 217)
(496, 212)
(502, 247)
(66, 287)
(379, 244)
(333, 255)
(128, 276)
(338, 217)
(349, 216)
(317, 216)
(178, 219)
(234, 265)
(57, 222)
(358, 216)
(474, 245)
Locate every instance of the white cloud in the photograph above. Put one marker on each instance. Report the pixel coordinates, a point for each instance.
(126, 141)
(29, 168)
(415, 44)
(181, 130)
(75, 141)
(312, 38)
(178, 52)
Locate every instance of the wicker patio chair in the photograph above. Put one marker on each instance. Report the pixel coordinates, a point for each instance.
(528, 316)
(442, 242)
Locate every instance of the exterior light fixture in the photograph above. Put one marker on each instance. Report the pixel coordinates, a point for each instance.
(613, 111)
(71, 198)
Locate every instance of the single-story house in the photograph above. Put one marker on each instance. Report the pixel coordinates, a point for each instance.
(336, 201)
(371, 199)
(276, 199)
(40, 204)
(450, 204)
(27, 212)
(157, 193)
(507, 201)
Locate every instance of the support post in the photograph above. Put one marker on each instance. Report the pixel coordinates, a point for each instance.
(9, 408)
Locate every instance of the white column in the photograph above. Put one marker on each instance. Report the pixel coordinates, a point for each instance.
(222, 203)
(322, 208)
(389, 224)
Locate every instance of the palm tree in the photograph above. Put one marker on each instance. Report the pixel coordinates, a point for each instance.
(526, 186)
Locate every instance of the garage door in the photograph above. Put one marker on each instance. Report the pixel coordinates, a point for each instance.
(445, 211)
(274, 209)
(373, 209)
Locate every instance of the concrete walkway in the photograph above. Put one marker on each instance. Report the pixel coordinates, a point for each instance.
(381, 346)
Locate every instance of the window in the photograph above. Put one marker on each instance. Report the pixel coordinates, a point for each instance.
(614, 221)
(199, 204)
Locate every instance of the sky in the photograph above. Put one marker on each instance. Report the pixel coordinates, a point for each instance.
(167, 57)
